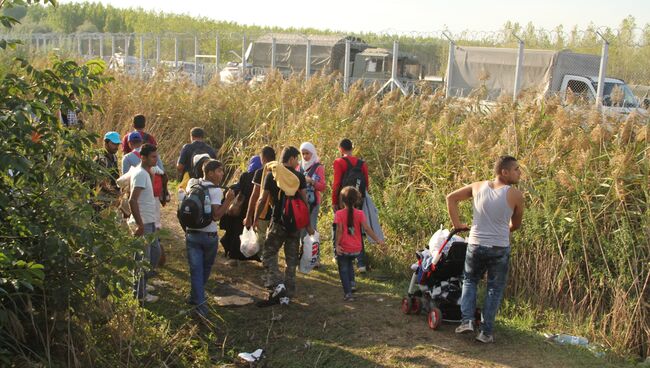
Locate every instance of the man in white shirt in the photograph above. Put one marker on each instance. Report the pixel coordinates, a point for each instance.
(202, 243)
(143, 215)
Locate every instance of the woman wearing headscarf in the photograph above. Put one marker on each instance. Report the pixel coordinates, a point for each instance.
(233, 221)
(314, 172)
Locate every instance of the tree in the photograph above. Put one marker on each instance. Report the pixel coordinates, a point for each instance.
(57, 253)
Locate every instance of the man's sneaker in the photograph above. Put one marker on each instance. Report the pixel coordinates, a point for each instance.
(362, 269)
(353, 287)
(285, 300)
(279, 292)
(486, 339)
(150, 288)
(466, 326)
(348, 298)
(150, 298)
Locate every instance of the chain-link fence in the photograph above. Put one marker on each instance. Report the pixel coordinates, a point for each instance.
(608, 67)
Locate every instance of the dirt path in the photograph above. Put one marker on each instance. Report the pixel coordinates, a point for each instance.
(319, 329)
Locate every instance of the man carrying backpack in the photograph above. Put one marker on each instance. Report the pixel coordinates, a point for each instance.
(286, 188)
(349, 171)
(139, 122)
(198, 214)
(185, 162)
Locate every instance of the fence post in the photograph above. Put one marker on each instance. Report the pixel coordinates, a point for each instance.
(243, 52)
(602, 71)
(101, 46)
(112, 45)
(157, 50)
(273, 53)
(176, 52)
(126, 47)
(216, 55)
(141, 56)
(450, 63)
(393, 70)
(308, 61)
(90, 46)
(518, 70)
(346, 67)
(196, 60)
(79, 52)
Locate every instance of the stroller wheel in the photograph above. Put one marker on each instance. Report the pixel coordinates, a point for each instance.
(416, 305)
(434, 318)
(407, 305)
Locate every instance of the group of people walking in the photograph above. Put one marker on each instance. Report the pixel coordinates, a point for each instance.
(280, 199)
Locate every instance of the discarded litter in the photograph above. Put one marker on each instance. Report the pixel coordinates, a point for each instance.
(564, 339)
(380, 300)
(252, 357)
(276, 318)
(233, 300)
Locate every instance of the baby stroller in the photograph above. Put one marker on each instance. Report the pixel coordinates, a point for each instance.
(436, 286)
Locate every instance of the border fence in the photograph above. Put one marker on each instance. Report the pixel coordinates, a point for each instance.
(600, 66)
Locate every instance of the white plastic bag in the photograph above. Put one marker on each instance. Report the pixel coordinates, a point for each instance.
(310, 245)
(249, 246)
(438, 239)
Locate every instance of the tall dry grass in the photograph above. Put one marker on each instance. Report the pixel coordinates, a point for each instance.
(583, 249)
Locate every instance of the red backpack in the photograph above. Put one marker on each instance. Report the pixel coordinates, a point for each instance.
(295, 213)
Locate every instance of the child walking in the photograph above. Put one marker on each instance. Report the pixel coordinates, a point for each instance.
(349, 222)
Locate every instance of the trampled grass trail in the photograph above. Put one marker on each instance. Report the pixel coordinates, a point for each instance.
(319, 329)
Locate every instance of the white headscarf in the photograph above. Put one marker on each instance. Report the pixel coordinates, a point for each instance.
(314, 156)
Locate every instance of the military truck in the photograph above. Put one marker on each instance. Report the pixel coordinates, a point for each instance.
(570, 75)
(367, 64)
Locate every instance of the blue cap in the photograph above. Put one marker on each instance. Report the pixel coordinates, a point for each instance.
(113, 137)
(135, 137)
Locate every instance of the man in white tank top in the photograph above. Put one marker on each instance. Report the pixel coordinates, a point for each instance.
(498, 210)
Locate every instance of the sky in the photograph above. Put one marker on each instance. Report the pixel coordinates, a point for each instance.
(405, 15)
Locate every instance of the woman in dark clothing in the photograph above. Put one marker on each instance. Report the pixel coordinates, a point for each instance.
(233, 225)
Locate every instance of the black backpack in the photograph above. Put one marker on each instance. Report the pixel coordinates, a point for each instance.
(354, 177)
(196, 171)
(191, 212)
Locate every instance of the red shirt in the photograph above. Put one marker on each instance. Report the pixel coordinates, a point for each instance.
(340, 167)
(125, 141)
(351, 243)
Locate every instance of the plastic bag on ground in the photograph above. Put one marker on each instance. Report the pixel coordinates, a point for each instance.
(252, 357)
(249, 246)
(309, 259)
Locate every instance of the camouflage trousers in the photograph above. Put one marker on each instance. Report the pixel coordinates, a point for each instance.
(276, 237)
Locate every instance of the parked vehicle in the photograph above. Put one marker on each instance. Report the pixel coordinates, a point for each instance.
(367, 64)
(570, 75)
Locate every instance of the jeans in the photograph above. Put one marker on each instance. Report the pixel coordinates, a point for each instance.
(346, 271)
(201, 252)
(478, 260)
(361, 258)
(152, 254)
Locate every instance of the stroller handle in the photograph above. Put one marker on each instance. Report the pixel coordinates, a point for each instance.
(455, 231)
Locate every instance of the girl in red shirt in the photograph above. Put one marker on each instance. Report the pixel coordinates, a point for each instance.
(349, 222)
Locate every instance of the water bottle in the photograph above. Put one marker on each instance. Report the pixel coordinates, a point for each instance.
(207, 205)
(564, 339)
(181, 195)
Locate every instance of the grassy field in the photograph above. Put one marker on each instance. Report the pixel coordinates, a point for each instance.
(580, 262)
(319, 329)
